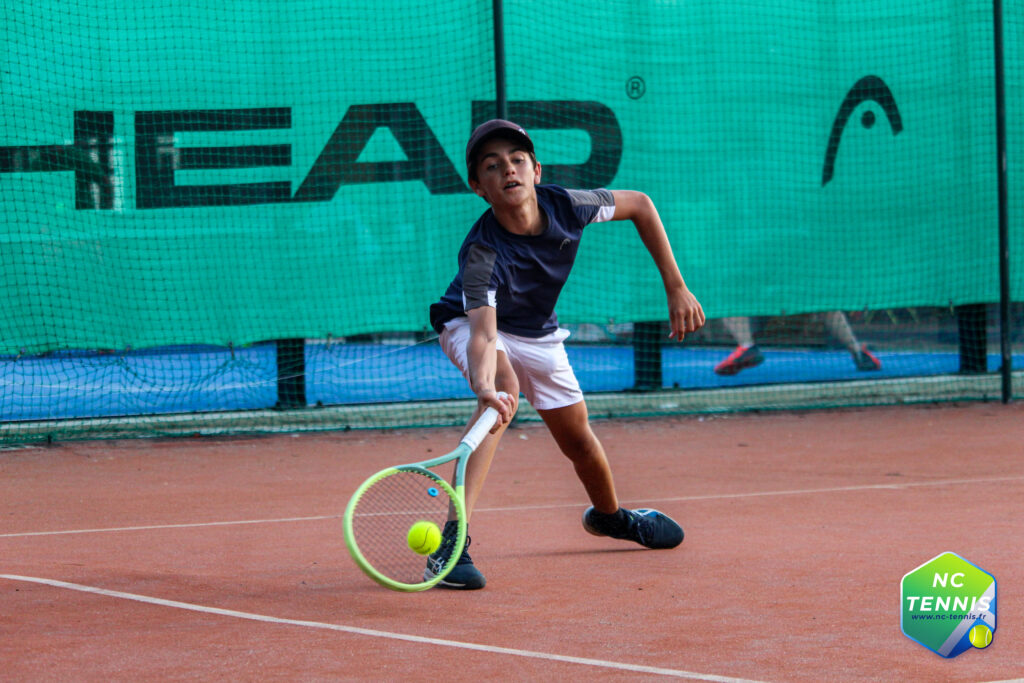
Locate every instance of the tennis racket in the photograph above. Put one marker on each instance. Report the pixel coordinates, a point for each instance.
(385, 506)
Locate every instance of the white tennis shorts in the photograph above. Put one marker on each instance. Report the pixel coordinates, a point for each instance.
(541, 365)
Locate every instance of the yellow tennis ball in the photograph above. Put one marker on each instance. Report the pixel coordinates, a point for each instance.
(980, 636)
(424, 537)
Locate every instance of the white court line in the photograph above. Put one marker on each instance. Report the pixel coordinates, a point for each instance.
(790, 492)
(863, 487)
(171, 526)
(716, 496)
(513, 652)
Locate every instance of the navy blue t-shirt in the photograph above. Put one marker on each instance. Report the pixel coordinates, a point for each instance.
(521, 276)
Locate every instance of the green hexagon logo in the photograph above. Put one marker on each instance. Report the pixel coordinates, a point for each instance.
(949, 605)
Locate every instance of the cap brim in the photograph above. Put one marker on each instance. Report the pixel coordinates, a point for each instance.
(496, 128)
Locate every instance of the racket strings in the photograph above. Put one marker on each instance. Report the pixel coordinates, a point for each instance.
(383, 515)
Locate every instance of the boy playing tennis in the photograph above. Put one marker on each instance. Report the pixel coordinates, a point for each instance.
(497, 324)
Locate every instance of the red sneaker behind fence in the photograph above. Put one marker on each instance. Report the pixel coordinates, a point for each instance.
(865, 360)
(743, 357)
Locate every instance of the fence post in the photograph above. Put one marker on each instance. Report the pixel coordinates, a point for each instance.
(500, 94)
(1004, 239)
(972, 323)
(291, 373)
(647, 374)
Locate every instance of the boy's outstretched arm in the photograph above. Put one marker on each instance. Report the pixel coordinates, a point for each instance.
(482, 356)
(685, 312)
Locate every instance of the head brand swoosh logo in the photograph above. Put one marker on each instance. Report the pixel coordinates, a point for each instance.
(867, 89)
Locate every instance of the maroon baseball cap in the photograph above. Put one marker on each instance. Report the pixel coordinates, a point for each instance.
(490, 129)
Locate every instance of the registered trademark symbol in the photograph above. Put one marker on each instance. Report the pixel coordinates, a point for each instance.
(635, 88)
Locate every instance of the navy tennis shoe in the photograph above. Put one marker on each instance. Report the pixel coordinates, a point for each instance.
(464, 575)
(647, 527)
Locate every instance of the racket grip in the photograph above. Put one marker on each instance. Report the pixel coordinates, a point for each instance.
(482, 426)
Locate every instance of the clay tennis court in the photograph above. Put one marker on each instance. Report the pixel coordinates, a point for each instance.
(222, 558)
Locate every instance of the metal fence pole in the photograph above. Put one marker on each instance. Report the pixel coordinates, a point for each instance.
(1004, 239)
(498, 11)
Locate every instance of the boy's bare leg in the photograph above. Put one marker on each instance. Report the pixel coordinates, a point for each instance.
(839, 326)
(478, 466)
(480, 462)
(739, 328)
(570, 428)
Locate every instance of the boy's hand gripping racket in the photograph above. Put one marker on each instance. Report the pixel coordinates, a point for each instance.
(385, 506)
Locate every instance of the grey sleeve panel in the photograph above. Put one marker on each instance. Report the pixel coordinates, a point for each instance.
(592, 206)
(597, 198)
(476, 277)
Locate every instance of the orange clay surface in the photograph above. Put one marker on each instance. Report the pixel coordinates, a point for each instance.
(223, 558)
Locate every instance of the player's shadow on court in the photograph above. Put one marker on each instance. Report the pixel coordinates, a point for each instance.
(581, 552)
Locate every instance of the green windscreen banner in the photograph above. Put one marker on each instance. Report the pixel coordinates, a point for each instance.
(224, 173)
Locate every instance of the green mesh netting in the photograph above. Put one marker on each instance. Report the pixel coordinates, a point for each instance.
(232, 206)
